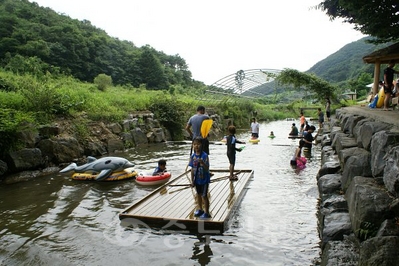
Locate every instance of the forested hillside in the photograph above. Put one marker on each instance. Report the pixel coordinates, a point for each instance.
(343, 68)
(347, 63)
(38, 40)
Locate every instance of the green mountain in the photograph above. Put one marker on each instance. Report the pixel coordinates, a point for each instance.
(37, 40)
(339, 68)
(347, 63)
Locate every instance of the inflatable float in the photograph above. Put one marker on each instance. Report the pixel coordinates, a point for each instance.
(100, 168)
(152, 180)
(301, 163)
(381, 98)
(127, 173)
(253, 140)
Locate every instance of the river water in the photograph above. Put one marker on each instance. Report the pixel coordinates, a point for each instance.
(57, 221)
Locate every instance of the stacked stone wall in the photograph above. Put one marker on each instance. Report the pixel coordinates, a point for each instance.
(359, 187)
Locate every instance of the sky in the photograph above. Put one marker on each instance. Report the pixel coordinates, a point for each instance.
(217, 38)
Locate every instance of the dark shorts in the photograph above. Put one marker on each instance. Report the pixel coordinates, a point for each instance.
(205, 145)
(255, 135)
(202, 190)
(328, 114)
(302, 126)
(388, 89)
(232, 158)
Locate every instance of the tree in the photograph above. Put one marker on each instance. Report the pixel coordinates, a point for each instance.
(103, 81)
(379, 19)
(309, 82)
(152, 71)
(360, 84)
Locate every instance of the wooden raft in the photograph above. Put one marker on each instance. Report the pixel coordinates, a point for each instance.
(172, 205)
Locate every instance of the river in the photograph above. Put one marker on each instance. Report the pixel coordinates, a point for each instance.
(57, 221)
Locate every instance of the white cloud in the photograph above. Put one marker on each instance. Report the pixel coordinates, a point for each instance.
(219, 37)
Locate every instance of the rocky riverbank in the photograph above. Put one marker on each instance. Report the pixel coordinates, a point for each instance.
(359, 187)
(48, 148)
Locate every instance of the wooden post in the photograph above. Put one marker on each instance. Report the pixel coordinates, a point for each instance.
(377, 66)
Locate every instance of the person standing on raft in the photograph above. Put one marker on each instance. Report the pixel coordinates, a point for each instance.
(231, 151)
(200, 178)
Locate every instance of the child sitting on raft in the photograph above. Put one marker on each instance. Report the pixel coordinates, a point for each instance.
(161, 168)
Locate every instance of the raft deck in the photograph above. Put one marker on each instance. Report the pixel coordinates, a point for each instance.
(172, 205)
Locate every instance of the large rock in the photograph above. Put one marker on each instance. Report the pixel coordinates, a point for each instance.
(25, 159)
(328, 154)
(329, 184)
(344, 143)
(381, 146)
(48, 131)
(345, 154)
(336, 226)
(336, 136)
(368, 205)
(340, 253)
(356, 165)
(156, 135)
(381, 251)
(329, 168)
(368, 130)
(139, 136)
(115, 145)
(115, 128)
(3, 168)
(391, 171)
(350, 123)
(61, 150)
(357, 132)
(95, 149)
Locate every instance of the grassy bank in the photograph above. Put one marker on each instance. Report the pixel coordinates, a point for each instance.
(33, 100)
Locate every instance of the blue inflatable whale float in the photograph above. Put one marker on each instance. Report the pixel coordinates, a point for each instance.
(104, 166)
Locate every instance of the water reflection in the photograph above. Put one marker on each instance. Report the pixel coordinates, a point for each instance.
(202, 250)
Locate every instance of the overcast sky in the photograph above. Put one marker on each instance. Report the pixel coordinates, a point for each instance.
(219, 37)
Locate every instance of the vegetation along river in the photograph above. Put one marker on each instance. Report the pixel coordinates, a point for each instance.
(57, 221)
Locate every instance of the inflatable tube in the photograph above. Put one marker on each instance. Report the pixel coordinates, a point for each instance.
(381, 98)
(254, 140)
(301, 163)
(147, 180)
(127, 173)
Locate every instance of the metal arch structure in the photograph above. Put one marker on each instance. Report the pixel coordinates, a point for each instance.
(244, 80)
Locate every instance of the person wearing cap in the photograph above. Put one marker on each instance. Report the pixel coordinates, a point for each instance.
(388, 83)
(294, 130)
(193, 127)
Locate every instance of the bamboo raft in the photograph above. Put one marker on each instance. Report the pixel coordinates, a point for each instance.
(172, 205)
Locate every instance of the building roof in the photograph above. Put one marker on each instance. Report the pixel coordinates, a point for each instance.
(384, 55)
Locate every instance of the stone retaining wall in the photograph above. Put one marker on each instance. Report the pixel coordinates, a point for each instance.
(359, 187)
(52, 146)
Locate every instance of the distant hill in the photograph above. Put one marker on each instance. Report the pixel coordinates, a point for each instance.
(338, 68)
(347, 63)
